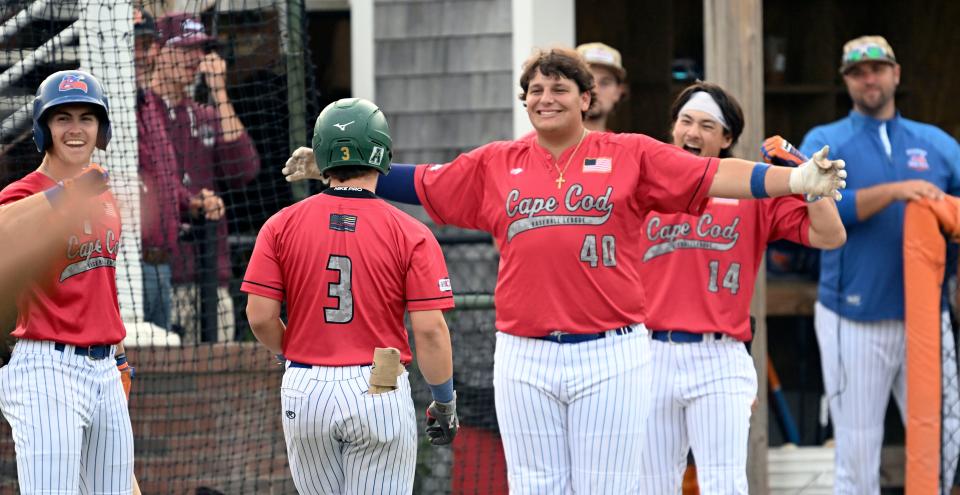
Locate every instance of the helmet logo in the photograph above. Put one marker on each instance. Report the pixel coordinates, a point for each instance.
(343, 127)
(71, 82)
(376, 156)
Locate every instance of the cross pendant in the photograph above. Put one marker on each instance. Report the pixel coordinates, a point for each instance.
(560, 180)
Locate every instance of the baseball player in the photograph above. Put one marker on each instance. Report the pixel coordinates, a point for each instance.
(859, 312)
(61, 392)
(609, 79)
(572, 357)
(347, 264)
(700, 272)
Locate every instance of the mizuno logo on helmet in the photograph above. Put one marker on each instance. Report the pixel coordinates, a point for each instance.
(343, 127)
(72, 82)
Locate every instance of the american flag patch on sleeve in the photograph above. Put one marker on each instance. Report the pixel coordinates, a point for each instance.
(343, 223)
(598, 165)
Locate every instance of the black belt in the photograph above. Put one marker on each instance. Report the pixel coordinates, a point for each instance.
(93, 352)
(294, 364)
(682, 337)
(576, 338)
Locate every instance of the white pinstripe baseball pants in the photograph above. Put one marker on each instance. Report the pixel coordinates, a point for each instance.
(71, 426)
(340, 439)
(862, 363)
(572, 416)
(701, 397)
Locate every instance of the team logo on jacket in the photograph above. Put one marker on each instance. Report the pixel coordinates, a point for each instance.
(709, 235)
(72, 82)
(598, 165)
(917, 159)
(577, 208)
(444, 285)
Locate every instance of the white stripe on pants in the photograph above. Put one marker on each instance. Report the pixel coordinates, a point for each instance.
(341, 439)
(701, 398)
(71, 427)
(862, 363)
(572, 416)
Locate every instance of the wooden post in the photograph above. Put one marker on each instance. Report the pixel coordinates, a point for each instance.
(733, 53)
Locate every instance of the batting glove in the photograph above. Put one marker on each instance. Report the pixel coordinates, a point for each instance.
(778, 151)
(90, 182)
(126, 373)
(819, 176)
(301, 165)
(442, 421)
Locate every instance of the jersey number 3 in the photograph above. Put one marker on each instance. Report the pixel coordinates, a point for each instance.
(341, 290)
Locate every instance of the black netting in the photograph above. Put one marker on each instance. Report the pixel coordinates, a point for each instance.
(205, 401)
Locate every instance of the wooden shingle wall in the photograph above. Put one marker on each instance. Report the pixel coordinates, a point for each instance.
(443, 75)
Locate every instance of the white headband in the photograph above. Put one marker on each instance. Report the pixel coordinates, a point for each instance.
(702, 101)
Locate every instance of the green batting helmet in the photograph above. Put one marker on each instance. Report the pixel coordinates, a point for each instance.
(352, 131)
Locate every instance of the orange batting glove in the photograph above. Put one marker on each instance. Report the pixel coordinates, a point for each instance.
(778, 151)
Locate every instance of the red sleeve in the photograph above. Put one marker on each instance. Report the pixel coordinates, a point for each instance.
(263, 276)
(238, 160)
(452, 193)
(427, 281)
(672, 180)
(15, 192)
(788, 219)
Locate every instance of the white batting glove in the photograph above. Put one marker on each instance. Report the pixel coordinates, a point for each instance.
(301, 165)
(819, 176)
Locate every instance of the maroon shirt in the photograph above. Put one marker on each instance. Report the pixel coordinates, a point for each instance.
(202, 157)
(163, 197)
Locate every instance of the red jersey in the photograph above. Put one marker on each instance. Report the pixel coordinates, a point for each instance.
(75, 299)
(560, 266)
(701, 270)
(347, 264)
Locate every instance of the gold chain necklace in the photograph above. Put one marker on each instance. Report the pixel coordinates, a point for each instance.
(560, 180)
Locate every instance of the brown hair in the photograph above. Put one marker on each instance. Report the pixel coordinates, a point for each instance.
(347, 172)
(559, 62)
(728, 106)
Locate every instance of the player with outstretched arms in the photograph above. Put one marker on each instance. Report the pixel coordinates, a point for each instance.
(572, 359)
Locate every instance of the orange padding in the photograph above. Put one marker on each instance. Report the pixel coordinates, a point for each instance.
(924, 259)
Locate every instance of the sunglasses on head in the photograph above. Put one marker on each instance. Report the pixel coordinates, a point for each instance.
(867, 52)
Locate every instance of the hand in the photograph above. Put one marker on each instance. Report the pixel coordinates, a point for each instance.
(778, 151)
(214, 70)
(126, 373)
(442, 421)
(301, 165)
(909, 190)
(208, 203)
(819, 176)
(91, 181)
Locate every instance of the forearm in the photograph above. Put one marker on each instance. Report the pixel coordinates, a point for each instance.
(434, 352)
(870, 200)
(230, 124)
(733, 177)
(826, 229)
(270, 334)
(398, 185)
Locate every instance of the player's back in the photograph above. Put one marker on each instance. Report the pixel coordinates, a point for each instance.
(345, 259)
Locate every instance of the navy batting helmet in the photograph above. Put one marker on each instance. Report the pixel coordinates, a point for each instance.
(64, 88)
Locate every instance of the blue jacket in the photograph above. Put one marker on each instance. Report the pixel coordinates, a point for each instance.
(863, 280)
